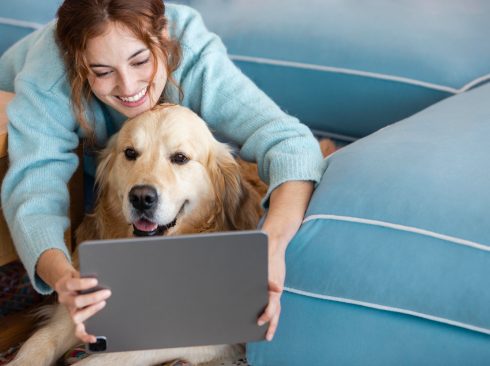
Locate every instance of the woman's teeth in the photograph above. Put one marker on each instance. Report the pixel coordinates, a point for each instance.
(135, 97)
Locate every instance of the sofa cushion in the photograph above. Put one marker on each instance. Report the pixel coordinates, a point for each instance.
(400, 219)
(352, 67)
(321, 332)
(19, 18)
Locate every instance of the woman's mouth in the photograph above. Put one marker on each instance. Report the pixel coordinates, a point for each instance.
(134, 100)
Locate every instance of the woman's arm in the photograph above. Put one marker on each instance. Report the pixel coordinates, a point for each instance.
(288, 203)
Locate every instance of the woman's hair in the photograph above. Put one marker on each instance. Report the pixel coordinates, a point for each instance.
(81, 20)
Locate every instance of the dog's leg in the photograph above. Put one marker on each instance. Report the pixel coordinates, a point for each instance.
(50, 341)
(193, 355)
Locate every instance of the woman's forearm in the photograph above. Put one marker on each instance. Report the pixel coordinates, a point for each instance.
(52, 265)
(288, 203)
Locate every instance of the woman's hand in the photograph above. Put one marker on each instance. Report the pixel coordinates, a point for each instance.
(277, 274)
(57, 271)
(80, 307)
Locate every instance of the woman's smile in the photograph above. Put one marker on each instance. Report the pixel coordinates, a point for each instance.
(134, 100)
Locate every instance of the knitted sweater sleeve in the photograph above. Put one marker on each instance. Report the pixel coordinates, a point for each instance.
(240, 112)
(41, 140)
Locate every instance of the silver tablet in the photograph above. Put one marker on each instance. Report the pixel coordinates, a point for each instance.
(178, 291)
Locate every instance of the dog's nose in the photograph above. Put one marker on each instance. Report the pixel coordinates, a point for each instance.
(143, 197)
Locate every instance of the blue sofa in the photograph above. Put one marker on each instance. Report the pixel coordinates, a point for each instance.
(391, 264)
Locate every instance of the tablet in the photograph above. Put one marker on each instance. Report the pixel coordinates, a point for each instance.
(178, 291)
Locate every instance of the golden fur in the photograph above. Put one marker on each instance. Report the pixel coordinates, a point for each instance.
(212, 191)
(208, 193)
(219, 196)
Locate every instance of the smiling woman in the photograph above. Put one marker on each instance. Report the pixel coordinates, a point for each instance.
(119, 57)
(122, 71)
(102, 62)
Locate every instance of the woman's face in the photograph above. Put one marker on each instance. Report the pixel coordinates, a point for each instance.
(121, 67)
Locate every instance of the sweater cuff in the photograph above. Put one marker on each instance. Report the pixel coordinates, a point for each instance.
(37, 239)
(311, 168)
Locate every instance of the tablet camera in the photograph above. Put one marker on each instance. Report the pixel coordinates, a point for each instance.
(99, 346)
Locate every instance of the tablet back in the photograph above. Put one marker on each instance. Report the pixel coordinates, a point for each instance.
(178, 291)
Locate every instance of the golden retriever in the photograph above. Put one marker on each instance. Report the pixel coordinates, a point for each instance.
(163, 174)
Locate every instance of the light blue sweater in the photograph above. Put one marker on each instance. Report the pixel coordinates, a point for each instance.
(43, 132)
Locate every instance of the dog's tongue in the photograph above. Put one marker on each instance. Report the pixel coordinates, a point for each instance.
(145, 225)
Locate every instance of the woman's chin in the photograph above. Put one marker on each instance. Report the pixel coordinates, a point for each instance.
(131, 112)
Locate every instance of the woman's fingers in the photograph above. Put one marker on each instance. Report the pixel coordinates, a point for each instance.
(81, 315)
(273, 325)
(82, 301)
(78, 284)
(271, 314)
(81, 334)
(74, 301)
(68, 286)
(268, 313)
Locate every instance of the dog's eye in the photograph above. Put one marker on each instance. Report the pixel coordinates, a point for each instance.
(130, 153)
(179, 158)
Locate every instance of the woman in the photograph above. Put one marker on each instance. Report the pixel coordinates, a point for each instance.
(102, 62)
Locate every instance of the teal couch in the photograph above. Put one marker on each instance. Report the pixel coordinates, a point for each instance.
(391, 264)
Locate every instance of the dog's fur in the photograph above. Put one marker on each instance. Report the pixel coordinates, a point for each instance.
(210, 191)
(206, 193)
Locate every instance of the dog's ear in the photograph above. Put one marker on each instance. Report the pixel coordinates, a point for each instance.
(106, 160)
(237, 204)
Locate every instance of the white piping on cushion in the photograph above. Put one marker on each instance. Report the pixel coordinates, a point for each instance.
(374, 75)
(389, 308)
(20, 23)
(475, 82)
(410, 229)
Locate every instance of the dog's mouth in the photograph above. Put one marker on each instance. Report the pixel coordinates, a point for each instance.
(145, 227)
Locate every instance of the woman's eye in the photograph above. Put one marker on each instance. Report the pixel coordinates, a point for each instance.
(141, 62)
(102, 74)
(130, 153)
(179, 158)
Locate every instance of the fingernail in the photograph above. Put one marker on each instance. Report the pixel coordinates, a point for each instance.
(107, 293)
(102, 304)
(261, 323)
(269, 337)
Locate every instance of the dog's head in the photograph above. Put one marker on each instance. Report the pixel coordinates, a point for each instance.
(164, 172)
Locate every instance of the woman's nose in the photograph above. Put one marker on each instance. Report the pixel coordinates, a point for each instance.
(127, 83)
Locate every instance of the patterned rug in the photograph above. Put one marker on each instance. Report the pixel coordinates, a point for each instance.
(16, 292)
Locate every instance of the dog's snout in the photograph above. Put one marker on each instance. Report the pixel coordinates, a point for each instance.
(143, 197)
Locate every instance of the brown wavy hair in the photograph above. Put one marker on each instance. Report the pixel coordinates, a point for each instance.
(81, 20)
